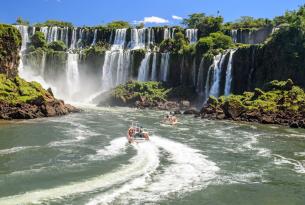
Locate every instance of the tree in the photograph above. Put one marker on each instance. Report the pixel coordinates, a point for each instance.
(51, 23)
(57, 46)
(38, 40)
(175, 45)
(205, 24)
(21, 21)
(216, 40)
(118, 25)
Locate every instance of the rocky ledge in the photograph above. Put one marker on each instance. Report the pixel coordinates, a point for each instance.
(27, 100)
(279, 102)
(152, 95)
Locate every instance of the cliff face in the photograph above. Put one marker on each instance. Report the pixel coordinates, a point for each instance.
(20, 99)
(10, 42)
(282, 57)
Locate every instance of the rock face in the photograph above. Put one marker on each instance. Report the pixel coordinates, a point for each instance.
(281, 102)
(10, 42)
(146, 95)
(20, 99)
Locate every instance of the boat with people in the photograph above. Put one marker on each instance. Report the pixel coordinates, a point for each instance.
(170, 119)
(137, 134)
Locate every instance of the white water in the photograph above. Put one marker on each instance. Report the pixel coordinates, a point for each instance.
(216, 76)
(229, 73)
(186, 164)
(154, 73)
(72, 74)
(165, 57)
(192, 35)
(143, 74)
(208, 83)
(200, 83)
(94, 37)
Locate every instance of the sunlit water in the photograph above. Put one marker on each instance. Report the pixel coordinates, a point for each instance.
(85, 159)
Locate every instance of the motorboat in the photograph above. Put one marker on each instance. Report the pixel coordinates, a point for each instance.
(137, 134)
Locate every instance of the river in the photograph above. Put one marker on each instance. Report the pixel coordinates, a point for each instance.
(84, 158)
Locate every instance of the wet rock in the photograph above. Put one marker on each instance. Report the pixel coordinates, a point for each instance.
(192, 111)
(294, 124)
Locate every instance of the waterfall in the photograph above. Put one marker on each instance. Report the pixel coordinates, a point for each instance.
(199, 87)
(229, 73)
(44, 30)
(25, 36)
(94, 37)
(154, 76)
(80, 39)
(137, 38)
(72, 74)
(143, 74)
(73, 40)
(194, 72)
(192, 35)
(217, 75)
(234, 36)
(164, 66)
(119, 39)
(213, 68)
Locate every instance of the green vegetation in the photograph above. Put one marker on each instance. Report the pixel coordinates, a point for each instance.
(21, 21)
(213, 42)
(248, 22)
(118, 25)
(275, 97)
(57, 46)
(10, 43)
(50, 23)
(175, 45)
(38, 40)
(15, 91)
(205, 24)
(99, 49)
(132, 91)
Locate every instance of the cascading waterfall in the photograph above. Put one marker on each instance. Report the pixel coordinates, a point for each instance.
(94, 37)
(25, 36)
(165, 57)
(154, 76)
(217, 75)
(229, 73)
(194, 72)
(137, 38)
(234, 35)
(144, 68)
(192, 35)
(208, 78)
(72, 74)
(117, 65)
(73, 40)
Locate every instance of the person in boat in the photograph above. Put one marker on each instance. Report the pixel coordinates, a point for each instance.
(170, 118)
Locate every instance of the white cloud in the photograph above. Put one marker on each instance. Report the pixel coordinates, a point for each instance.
(177, 17)
(152, 19)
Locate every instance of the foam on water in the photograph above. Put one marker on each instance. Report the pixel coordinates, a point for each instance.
(298, 166)
(145, 160)
(116, 147)
(15, 149)
(189, 170)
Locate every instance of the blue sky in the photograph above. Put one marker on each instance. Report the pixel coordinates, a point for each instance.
(94, 12)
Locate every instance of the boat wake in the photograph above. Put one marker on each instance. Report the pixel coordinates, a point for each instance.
(143, 179)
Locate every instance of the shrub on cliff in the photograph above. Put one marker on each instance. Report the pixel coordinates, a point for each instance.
(281, 102)
(38, 40)
(57, 46)
(214, 41)
(132, 91)
(175, 45)
(17, 91)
